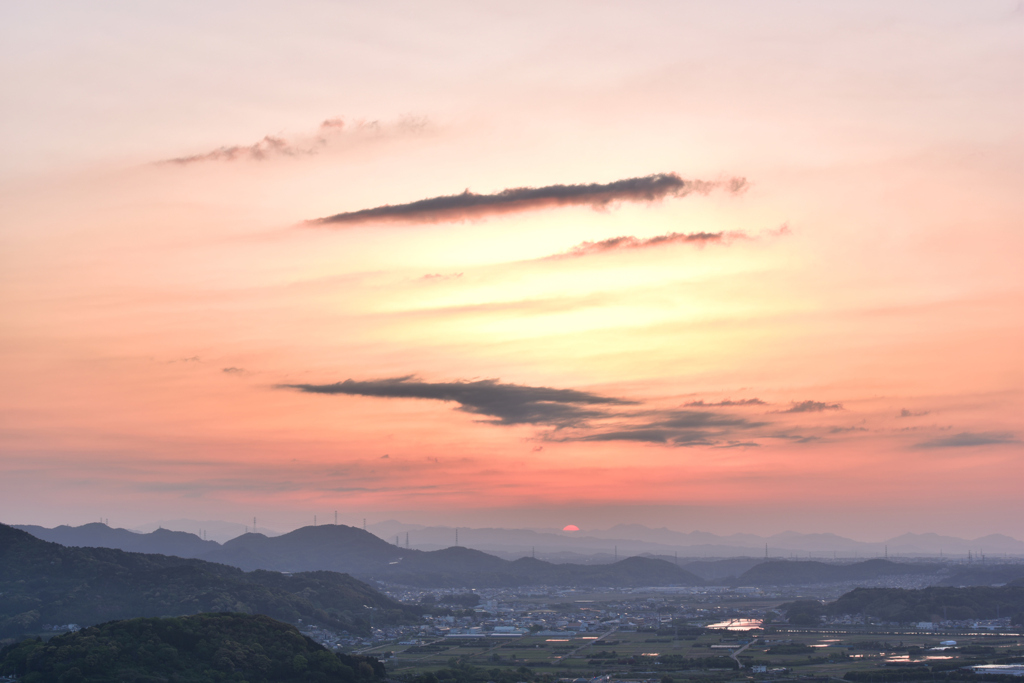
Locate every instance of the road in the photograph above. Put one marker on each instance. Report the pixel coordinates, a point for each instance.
(589, 643)
(735, 654)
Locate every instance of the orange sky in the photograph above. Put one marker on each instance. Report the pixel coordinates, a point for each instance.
(171, 318)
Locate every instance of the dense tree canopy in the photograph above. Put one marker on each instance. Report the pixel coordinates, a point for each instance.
(204, 647)
(933, 603)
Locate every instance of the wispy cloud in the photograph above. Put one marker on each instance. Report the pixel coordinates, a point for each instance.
(509, 404)
(330, 133)
(727, 403)
(629, 242)
(812, 407)
(675, 428)
(470, 205)
(968, 439)
(912, 413)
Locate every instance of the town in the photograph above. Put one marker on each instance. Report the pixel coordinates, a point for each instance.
(649, 633)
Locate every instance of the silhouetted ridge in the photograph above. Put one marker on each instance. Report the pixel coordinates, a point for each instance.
(804, 572)
(934, 603)
(42, 582)
(360, 553)
(96, 535)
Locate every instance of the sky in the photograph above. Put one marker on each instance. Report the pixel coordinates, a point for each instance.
(712, 266)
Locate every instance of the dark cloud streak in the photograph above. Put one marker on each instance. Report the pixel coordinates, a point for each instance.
(510, 404)
(812, 407)
(968, 439)
(470, 205)
(572, 415)
(675, 428)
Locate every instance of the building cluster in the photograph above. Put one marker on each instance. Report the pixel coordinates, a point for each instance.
(559, 612)
(554, 612)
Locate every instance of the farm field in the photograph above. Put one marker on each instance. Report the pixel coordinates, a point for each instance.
(715, 654)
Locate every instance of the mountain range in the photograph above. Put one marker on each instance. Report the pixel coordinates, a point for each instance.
(46, 583)
(360, 553)
(636, 539)
(357, 552)
(594, 546)
(340, 548)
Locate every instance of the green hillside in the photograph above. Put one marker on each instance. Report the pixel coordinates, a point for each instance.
(933, 603)
(204, 647)
(45, 583)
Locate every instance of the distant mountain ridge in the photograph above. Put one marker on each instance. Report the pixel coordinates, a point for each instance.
(351, 550)
(360, 553)
(96, 535)
(806, 572)
(599, 546)
(636, 539)
(213, 529)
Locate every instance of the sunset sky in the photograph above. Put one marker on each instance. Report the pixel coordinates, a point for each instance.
(721, 266)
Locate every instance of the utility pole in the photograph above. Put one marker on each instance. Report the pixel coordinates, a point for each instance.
(335, 518)
(456, 537)
(406, 540)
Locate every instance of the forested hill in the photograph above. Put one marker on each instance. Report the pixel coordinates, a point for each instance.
(45, 583)
(935, 603)
(805, 572)
(201, 648)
